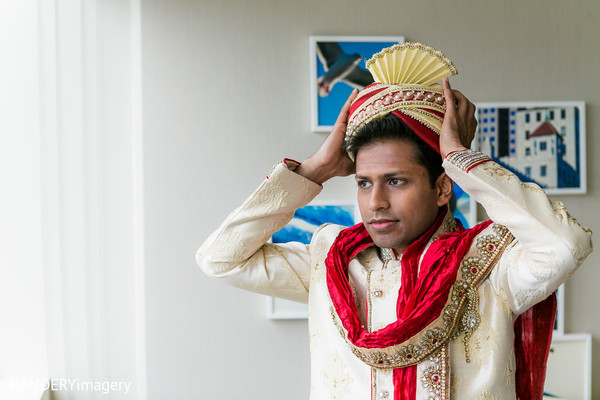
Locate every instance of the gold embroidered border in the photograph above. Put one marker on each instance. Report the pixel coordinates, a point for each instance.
(467, 158)
(373, 383)
(435, 378)
(395, 97)
(421, 116)
(369, 314)
(448, 325)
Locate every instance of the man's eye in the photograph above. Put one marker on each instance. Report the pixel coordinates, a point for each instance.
(363, 184)
(396, 181)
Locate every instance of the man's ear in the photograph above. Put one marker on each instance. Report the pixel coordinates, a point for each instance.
(443, 186)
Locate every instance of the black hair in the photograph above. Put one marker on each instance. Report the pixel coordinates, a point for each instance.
(391, 127)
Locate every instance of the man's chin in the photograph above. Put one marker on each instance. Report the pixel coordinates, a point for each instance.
(385, 241)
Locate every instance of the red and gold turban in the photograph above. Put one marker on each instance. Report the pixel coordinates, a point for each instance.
(407, 85)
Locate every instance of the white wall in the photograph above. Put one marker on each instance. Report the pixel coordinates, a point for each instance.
(226, 94)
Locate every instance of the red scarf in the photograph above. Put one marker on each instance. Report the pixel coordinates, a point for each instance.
(421, 297)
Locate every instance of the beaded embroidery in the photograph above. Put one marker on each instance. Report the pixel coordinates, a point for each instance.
(386, 254)
(436, 379)
(467, 159)
(397, 97)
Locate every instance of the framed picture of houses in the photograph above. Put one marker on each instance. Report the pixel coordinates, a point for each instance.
(542, 142)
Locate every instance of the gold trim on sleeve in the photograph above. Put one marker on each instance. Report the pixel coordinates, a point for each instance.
(467, 159)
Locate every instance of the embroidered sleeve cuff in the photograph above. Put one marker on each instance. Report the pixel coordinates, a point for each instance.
(288, 163)
(467, 159)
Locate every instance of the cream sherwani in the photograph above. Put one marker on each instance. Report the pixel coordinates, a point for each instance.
(547, 248)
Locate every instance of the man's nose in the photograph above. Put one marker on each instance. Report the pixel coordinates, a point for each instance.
(379, 199)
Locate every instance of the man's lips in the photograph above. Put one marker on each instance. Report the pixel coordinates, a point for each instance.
(381, 224)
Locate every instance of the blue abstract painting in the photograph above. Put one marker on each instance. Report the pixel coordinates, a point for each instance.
(307, 219)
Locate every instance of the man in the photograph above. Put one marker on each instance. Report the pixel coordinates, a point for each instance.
(408, 305)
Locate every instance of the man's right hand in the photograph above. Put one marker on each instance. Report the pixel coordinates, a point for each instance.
(330, 160)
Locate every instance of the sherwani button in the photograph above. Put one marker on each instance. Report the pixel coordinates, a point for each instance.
(377, 293)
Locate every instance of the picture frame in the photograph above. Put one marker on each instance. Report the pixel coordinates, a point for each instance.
(463, 207)
(540, 142)
(337, 66)
(305, 222)
(569, 367)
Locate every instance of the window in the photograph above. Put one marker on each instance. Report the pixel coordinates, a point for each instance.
(526, 117)
(543, 146)
(551, 114)
(528, 152)
(563, 113)
(528, 171)
(543, 170)
(563, 131)
(538, 116)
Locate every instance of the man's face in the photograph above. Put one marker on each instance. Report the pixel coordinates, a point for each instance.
(395, 197)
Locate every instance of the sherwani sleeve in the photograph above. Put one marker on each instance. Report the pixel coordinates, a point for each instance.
(550, 244)
(238, 252)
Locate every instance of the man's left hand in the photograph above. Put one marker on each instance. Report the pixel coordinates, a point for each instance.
(458, 129)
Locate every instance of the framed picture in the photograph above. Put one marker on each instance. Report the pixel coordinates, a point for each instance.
(543, 142)
(463, 207)
(307, 219)
(305, 222)
(569, 368)
(337, 66)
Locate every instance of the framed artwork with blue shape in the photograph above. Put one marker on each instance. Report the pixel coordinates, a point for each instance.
(337, 66)
(305, 222)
